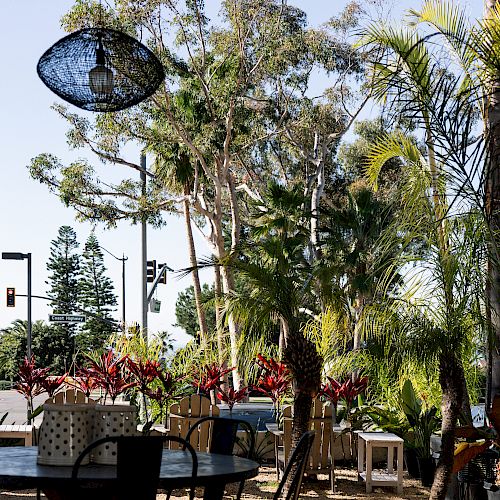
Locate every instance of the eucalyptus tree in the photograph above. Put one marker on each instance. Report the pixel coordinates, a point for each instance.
(444, 109)
(232, 92)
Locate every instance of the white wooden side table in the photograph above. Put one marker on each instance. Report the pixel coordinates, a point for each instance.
(369, 440)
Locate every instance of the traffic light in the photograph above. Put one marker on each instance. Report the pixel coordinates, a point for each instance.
(151, 271)
(163, 278)
(11, 297)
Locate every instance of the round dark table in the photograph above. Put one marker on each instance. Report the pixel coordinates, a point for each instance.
(19, 470)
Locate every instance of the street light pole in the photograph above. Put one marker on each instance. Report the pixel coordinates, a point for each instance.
(144, 254)
(22, 256)
(123, 259)
(29, 333)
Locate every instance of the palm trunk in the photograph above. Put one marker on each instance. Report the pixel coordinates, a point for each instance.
(492, 206)
(305, 364)
(450, 376)
(218, 314)
(202, 320)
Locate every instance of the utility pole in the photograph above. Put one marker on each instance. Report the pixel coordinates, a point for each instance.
(122, 259)
(144, 254)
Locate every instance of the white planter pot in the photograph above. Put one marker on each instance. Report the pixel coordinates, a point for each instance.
(65, 431)
(112, 420)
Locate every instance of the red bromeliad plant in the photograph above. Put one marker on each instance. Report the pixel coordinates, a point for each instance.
(144, 372)
(108, 372)
(352, 388)
(30, 382)
(274, 381)
(349, 390)
(83, 382)
(230, 397)
(210, 377)
(52, 384)
(331, 391)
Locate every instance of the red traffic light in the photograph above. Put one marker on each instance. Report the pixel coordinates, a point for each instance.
(11, 297)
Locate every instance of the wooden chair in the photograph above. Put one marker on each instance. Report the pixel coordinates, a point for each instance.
(321, 457)
(294, 471)
(186, 413)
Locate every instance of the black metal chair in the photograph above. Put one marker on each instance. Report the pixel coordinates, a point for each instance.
(137, 469)
(223, 437)
(294, 471)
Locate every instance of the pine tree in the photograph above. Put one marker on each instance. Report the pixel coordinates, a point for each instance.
(64, 263)
(96, 296)
(64, 266)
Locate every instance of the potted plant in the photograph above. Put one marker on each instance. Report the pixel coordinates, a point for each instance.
(231, 397)
(424, 423)
(110, 374)
(353, 386)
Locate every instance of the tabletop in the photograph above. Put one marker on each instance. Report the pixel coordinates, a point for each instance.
(379, 437)
(19, 470)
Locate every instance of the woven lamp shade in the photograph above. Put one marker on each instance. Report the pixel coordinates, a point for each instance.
(100, 69)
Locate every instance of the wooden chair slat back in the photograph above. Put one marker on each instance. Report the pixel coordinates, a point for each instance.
(321, 423)
(185, 414)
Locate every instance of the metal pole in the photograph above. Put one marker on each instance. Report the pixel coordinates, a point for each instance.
(28, 339)
(123, 293)
(144, 256)
(122, 259)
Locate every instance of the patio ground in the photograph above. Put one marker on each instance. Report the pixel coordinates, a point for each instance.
(264, 485)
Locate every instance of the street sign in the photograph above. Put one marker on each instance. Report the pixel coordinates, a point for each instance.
(155, 306)
(66, 318)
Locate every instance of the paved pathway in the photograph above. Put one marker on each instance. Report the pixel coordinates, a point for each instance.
(13, 403)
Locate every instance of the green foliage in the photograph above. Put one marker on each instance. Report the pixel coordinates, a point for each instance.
(64, 266)
(51, 348)
(185, 310)
(422, 419)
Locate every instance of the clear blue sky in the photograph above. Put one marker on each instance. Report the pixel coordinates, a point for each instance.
(29, 215)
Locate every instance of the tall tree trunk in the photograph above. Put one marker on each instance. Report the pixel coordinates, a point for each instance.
(234, 330)
(450, 377)
(218, 314)
(202, 319)
(492, 206)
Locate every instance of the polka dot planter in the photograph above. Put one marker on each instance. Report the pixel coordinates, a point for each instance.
(65, 431)
(112, 420)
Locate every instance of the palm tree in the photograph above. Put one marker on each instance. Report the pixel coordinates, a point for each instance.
(444, 106)
(438, 324)
(278, 280)
(473, 48)
(175, 171)
(351, 253)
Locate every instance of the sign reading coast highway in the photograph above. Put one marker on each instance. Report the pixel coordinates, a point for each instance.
(66, 318)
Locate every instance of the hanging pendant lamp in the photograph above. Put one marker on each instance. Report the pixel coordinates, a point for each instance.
(100, 69)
